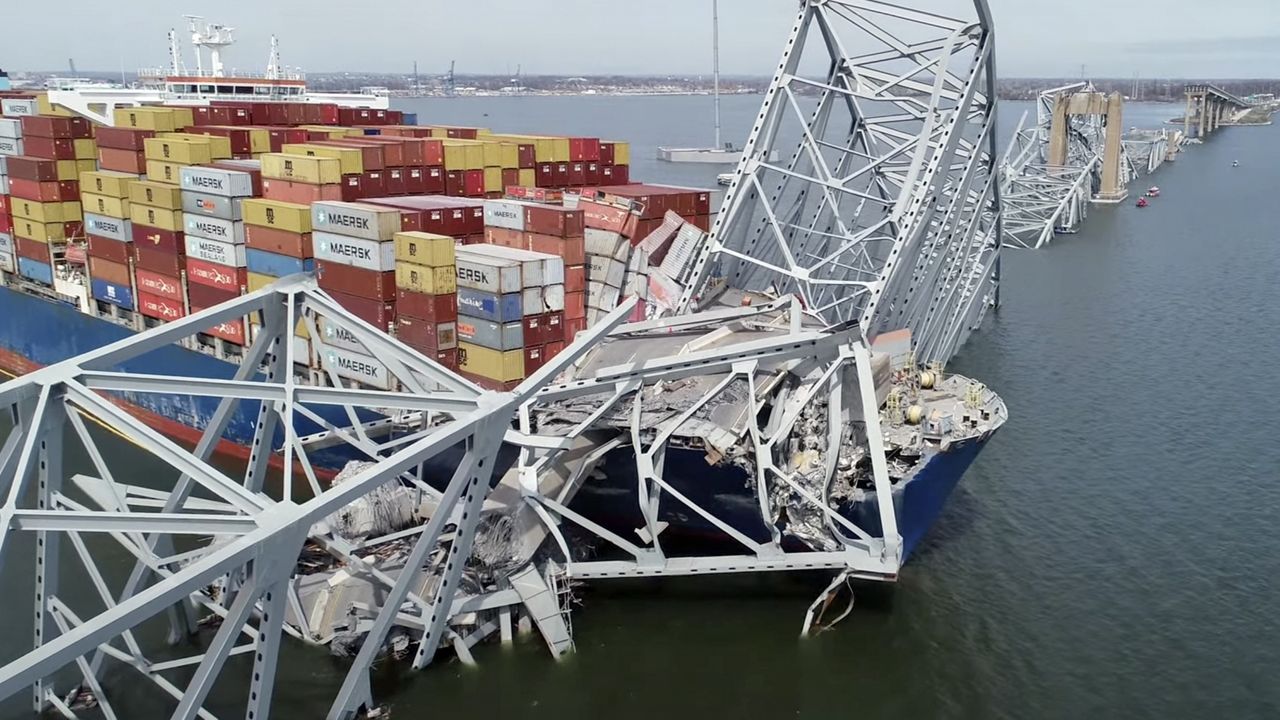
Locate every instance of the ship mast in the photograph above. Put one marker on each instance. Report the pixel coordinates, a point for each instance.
(715, 46)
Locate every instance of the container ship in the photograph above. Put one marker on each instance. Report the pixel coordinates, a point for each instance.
(122, 209)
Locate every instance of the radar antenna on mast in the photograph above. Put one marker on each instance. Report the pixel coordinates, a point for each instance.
(215, 37)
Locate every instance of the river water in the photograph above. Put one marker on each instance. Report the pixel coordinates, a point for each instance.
(1111, 554)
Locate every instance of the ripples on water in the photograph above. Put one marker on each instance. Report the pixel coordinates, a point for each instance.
(1112, 553)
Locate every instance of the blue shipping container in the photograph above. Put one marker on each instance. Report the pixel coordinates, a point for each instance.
(37, 270)
(112, 293)
(410, 118)
(275, 265)
(488, 306)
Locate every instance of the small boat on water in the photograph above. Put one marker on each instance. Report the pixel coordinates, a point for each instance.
(1142, 202)
(1235, 164)
(1153, 192)
(725, 179)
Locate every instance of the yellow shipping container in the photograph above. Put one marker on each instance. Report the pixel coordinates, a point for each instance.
(508, 155)
(86, 148)
(219, 147)
(107, 182)
(425, 249)
(301, 168)
(156, 194)
(44, 107)
(50, 212)
(333, 132)
(257, 281)
(183, 149)
(292, 217)
(545, 148)
(528, 178)
(39, 232)
(169, 173)
(350, 159)
(155, 217)
(621, 152)
(493, 179)
(492, 364)
(492, 153)
(183, 117)
(105, 205)
(71, 169)
(259, 141)
(427, 280)
(463, 155)
(147, 118)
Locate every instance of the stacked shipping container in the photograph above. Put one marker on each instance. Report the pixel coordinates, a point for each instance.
(426, 295)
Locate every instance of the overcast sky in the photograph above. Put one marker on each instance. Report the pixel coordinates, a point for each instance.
(1115, 38)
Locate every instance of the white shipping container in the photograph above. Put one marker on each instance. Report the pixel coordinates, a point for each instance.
(216, 229)
(492, 275)
(18, 107)
(684, 248)
(9, 146)
(216, 251)
(11, 128)
(602, 296)
(531, 300)
(4, 165)
(605, 270)
(495, 336)
(532, 265)
(607, 244)
(4, 183)
(553, 298)
(216, 181)
(369, 222)
(504, 214)
(108, 227)
(356, 252)
(356, 366)
(334, 335)
(205, 205)
(8, 262)
(552, 265)
(6, 243)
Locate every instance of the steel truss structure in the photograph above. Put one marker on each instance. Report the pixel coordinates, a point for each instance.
(887, 212)
(1041, 199)
(229, 547)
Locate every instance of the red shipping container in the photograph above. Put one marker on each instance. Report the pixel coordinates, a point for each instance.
(572, 327)
(504, 237)
(24, 167)
(238, 137)
(280, 242)
(126, 161)
(32, 249)
(156, 260)
(552, 349)
(75, 253)
(53, 148)
(546, 175)
(448, 358)
(575, 278)
(425, 336)
(397, 184)
(372, 154)
(622, 174)
(454, 217)
(169, 241)
(415, 181)
(41, 126)
(435, 181)
(208, 296)
(554, 330)
(551, 220)
(328, 114)
(159, 285)
(230, 330)
(377, 313)
(221, 277)
(573, 250)
(356, 281)
(606, 153)
(562, 175)
(302, 193)
(702, 222)
(584, 149)
(394, 151)
(113, 272)
(42, 192)
(535, 329)
(606, 175)
(4, 204)
(473, 183)
(122, 138)
(374, 184)
(577, 174)
(6, 223)
(251, 167)
(533, 360)
(109, 249)
(602, 216)
(431, 308)
(593, 174)
(526, 156)
(510, 176)
(160, 308)
(575, 305)
(453, 186)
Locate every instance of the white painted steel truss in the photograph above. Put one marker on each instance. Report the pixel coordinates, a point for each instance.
(886, 213)
(229, 547)
(1041, 199)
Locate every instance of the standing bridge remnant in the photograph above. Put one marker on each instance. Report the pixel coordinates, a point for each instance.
(1210, 107)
